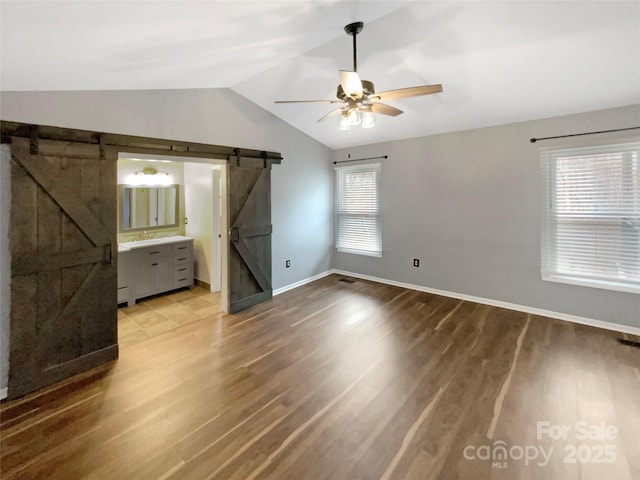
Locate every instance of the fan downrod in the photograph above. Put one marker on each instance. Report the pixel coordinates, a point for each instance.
(354, 29)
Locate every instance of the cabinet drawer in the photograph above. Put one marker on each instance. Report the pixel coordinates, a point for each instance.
(183, 282)
(182, 254)
(123, 294)
(182, 271)
(156, 252)
(180, 249)
(182, 276)
(182, 259)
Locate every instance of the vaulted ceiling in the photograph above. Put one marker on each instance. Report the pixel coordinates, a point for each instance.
(499, 62)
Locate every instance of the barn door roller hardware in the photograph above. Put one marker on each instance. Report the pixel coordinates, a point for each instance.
(33, 142)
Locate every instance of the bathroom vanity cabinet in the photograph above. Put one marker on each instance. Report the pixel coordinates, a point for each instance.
(155, 266)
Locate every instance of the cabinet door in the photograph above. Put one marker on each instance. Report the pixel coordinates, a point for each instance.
(163, 274)
(144, 284)
(124, 260)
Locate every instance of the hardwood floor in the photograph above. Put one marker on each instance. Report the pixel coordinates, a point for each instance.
(338, 380)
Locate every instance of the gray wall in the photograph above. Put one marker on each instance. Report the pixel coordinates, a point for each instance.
(5, 262)
(467, 204)
(301, 185)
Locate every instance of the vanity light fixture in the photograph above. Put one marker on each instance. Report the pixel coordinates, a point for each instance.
(149, 176)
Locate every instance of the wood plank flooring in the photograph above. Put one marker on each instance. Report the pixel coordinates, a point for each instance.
(338, 380)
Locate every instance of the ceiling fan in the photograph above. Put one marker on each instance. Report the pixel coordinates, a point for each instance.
(359, 100)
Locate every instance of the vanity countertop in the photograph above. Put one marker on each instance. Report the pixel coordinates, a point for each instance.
(153, 241)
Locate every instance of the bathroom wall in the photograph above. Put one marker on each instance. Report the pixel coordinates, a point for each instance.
(199, 211)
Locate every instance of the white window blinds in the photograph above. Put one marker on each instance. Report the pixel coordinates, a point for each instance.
(357, 205)
(591, 216)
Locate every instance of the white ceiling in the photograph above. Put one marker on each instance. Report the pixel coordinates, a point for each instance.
(499, 62)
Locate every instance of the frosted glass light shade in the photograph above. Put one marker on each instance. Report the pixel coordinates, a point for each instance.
(344, 122)
(354, 116)
(368, 119)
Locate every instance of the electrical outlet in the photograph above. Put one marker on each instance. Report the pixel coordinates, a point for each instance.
(287, 263)
(416, 262)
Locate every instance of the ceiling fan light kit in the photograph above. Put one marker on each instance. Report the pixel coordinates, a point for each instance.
(362, 103)
(344, 123)
(368, 118)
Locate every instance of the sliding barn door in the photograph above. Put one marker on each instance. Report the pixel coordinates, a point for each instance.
(249, 187)
(63, 272)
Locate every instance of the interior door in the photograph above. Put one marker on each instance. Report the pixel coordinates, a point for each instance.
(63, 261)
(249, 257)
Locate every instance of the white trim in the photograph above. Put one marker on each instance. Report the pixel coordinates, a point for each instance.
(353, 251)
(586, 282)
(3, 393)
(291, 286)
(498, 303)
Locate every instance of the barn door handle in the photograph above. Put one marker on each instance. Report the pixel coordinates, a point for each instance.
(108, 254)
(234, 234)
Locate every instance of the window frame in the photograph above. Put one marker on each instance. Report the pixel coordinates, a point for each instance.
(549, 219)
(375, 167)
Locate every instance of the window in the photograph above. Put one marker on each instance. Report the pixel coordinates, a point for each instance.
(591, 216)
(357, 199)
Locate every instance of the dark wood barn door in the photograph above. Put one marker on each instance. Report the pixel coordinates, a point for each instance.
(249, 187)
(63, 285)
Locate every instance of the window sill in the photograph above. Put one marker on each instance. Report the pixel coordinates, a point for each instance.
(360, 252)
(603, 284)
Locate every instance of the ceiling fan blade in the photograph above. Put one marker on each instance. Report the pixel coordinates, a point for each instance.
(351, 84)
(408, 92)
(330, 114)
(383, 109)
(308, 101)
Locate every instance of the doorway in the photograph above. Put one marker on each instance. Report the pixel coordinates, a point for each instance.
(201, 218)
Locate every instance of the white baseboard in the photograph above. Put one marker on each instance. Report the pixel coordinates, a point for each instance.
(498, 303)
(3, 393)
(291, 286)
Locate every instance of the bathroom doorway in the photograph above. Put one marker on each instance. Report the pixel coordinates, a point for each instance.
(200, 207)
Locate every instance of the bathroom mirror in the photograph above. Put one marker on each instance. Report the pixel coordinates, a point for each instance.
(144, 207)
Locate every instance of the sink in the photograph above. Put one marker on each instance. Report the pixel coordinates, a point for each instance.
(153, 241)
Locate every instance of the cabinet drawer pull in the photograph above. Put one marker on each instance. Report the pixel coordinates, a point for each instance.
(181, 279)
(181, 248)
(154, 264)
(181, 269)
(183, 258)
(154, 252)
